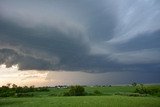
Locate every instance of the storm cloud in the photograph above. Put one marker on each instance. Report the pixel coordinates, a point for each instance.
(87, 35)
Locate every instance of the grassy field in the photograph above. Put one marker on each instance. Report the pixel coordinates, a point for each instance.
(81, 101)
(111, 90)
(108, 98)
(104, 90)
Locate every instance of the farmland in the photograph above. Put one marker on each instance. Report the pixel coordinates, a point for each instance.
(107, 98)
(81, 101)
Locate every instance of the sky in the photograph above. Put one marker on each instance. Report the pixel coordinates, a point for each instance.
(89, 42)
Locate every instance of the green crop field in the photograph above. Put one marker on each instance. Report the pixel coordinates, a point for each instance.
(107, 98)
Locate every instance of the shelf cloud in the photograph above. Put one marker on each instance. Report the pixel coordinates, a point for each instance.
(86, 35)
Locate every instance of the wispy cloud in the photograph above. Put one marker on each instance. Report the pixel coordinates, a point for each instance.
(135, 18)
(145, 56)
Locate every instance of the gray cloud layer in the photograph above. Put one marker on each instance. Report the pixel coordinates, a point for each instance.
(86, 35)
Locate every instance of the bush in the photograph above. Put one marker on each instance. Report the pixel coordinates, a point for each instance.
(75, 91)
(158, 94)
(53, 94)
(147, 90)
(97, 92)
(6, 91)
(23, 95)
(42, 89)
(66, 94)
(131, 94)
(134, 84)
(6, 94)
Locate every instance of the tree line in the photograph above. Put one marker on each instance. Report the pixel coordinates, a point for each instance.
(18, 91)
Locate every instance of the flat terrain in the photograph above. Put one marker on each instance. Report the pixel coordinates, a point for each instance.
(104, 90)
(82, 101)
(53, 98)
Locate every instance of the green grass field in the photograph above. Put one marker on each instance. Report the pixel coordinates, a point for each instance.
(107, 99)
(104, 90)
(81, 101)
(111, 90)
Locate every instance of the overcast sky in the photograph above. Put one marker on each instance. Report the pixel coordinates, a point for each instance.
(105, 39)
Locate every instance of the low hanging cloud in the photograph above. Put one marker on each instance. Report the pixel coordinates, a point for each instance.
(89, 36)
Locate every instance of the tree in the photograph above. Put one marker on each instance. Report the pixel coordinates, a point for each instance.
(32, 88)
(134, 84)
(14, 86)
(76, 91)
(97, 92)
(8, 85)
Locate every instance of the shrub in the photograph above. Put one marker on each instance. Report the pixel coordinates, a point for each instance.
(66, 94)
(77, 90)
(53, 94)
(6, 94)
(6, 91)
(23, 95)
(134, 84)
(131, 94)
(97, 92)
(42, 89)
(147, 90)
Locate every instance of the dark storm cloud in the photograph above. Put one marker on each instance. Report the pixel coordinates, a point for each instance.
(147, 40)
(67, 50)
(10, 57)
(90, 36)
